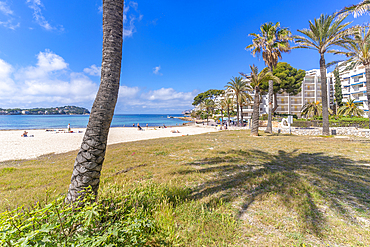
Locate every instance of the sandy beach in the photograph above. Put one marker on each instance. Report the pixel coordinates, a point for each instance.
(15, 147)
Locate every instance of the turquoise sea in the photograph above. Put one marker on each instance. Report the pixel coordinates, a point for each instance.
(8, 122)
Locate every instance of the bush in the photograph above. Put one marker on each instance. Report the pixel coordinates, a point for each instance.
(117, 219)
(264, 117)
(339, 122)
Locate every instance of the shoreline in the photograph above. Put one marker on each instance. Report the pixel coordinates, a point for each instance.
(15, 147)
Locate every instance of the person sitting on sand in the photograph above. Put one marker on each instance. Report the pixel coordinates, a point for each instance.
(175, 131)
(24, 134)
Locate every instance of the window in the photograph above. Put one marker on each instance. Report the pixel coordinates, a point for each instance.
(295, 108)
(308, 87)
(282, 101)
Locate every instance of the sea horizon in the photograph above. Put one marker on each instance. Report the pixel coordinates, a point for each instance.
(27, 122)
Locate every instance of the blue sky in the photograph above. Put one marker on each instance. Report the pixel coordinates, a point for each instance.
(50, 51)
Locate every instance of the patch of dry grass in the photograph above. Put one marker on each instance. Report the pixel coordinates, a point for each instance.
(282, 190)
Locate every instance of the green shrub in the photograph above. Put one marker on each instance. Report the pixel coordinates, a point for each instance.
(115, 219)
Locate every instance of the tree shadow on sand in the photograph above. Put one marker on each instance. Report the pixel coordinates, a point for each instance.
(300, 180)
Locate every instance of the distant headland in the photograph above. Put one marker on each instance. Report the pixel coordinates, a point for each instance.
(64, 110)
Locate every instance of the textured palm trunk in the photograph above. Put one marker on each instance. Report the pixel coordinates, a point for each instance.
(241, 115)
(367, 72)
(89, 161)
(324, 97)
(222, 117)
(228, 116)
(256, 112)
(237, 111)
(270, 93)
(276, 105)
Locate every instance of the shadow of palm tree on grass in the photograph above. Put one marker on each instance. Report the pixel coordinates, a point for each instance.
(302, 181)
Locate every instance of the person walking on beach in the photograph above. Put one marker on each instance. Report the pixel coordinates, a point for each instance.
(69, 127)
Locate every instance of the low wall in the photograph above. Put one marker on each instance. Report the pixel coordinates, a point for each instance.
(345, 131)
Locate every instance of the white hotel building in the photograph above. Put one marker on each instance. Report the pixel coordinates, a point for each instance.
(292, 104)
(354, 86)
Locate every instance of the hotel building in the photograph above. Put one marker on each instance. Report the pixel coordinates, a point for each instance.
(292, 104)
(354, 87)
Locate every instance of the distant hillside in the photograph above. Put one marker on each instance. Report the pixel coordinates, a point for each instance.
(64, 110)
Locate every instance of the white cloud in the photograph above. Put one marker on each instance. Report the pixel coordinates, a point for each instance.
(129, 20)
(36, 5)
(93, 70)
(49, 81)
(6, 83)
(156, 70)
(9, 23)
(168, 94)
(161, 100)
(128, 92)
(47, 62)
(5, 8)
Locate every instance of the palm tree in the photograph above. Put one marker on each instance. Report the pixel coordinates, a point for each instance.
(89, 160)
(322, 35)
(358, 51)
(256, 79)
(244, 100)
(238, 86)
(271, 42)
(350, 108)
(312, 109)
(228, 104)
(208, 106)
(356, 9)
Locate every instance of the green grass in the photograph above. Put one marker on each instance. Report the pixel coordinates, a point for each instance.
(224, 188)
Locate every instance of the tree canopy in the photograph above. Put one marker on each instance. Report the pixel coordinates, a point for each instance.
(210, 94)
(291, 79)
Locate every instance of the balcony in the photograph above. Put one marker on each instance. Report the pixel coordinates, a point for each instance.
(309, 88)
(362, 98)
(298, 102)
(280, 109)
(308, 81)
(309, 95)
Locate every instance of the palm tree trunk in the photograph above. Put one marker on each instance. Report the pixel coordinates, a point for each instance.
(256, 112)
(222, 118)
(228, 116)
(237, 111)
(276, 105)
(89, 160)
(270, 93)
(324, 97)
(241, 115)
(367, 72)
